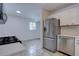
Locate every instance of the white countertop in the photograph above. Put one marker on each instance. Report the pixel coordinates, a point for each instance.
(70, 36)
(10, 49)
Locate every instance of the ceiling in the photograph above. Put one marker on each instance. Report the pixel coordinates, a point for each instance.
(32, 10)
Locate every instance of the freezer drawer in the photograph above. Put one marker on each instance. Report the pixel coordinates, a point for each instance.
(50, 44)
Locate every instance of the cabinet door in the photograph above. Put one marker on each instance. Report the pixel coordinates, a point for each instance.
(66, 45)
(68, 17)
(77, 47)
(61, 45)
(70, 46)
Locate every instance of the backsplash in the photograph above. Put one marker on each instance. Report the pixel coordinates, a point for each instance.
(71, 30)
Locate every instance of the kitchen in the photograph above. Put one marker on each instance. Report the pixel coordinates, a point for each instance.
(65, 26)
(68, 40)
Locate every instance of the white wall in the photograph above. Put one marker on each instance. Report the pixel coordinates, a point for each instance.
(19, 27)
(68, 16)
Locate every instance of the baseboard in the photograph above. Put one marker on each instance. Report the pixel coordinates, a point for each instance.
(30, 39)
(64, 53)
(50, 50)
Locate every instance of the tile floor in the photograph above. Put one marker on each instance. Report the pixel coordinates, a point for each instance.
(33, 48)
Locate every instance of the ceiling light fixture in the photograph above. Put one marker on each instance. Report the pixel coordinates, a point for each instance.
(19, 12)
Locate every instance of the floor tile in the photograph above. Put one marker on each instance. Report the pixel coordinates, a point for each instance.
(33, 48)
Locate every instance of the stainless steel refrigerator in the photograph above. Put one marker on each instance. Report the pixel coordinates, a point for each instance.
(51, 30)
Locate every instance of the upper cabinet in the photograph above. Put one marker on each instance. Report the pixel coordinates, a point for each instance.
(68, 16)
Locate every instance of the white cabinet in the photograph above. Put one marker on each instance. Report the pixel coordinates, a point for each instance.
(61, 45)
(69, 45)
(76, 46)
(66, 44)
(69, 16)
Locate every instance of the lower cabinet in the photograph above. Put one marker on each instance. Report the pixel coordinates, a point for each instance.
(77, 47)
(66, 45)
(70, 46)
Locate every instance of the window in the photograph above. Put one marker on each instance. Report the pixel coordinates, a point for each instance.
(32, 25)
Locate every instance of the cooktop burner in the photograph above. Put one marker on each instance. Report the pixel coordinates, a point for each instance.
(8, 40)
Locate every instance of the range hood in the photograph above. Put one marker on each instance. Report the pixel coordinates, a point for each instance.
(3, 16)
